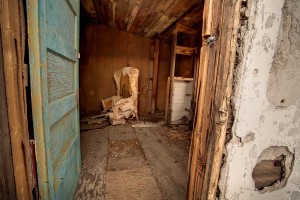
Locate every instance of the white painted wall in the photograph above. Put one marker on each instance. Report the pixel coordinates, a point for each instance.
(258, 123)
(182, 100)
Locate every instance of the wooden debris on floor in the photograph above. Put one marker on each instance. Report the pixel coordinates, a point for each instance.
(142, 124)
(179, 135)
(91, 122)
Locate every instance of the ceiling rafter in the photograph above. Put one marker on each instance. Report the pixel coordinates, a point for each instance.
(145, 17)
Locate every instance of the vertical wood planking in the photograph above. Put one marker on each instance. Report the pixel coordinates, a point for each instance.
(104, 51)
(155, 71)
(163, 74)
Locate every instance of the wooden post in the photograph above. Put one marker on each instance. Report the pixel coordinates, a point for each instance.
(224, 89)
(167, 101)
(213, 101)
(155, 72)
(196, 133)
(11, 19)
(172, 73)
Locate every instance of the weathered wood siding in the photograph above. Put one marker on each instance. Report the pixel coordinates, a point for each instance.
(105, 50)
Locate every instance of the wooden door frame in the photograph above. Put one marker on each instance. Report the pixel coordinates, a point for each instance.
(7, 180)
(13, 44)
(215, 76)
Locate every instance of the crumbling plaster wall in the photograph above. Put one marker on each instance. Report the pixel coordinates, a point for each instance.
(260, 121)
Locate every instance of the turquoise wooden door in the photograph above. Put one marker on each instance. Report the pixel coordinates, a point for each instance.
(53, 32)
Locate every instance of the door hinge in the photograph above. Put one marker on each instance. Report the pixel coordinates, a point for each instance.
(78, 55)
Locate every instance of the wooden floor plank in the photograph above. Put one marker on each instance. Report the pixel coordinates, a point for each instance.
(94, 150)
(125, 163)
(166, 167)
(122, 162)
(132, 184)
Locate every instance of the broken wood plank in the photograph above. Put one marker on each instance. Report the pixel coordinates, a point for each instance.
(93, 121)
(155, 71)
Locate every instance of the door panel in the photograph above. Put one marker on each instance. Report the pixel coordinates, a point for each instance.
(53, 31)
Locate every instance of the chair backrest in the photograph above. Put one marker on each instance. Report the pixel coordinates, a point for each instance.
(127, 82)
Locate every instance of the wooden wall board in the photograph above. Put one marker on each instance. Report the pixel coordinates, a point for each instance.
(155, 74)
(105, 50)
(163, 74)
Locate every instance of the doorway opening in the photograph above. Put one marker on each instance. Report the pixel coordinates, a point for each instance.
(136, 126)
(153, 92)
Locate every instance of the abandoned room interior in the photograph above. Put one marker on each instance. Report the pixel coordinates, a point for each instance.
(150, 99)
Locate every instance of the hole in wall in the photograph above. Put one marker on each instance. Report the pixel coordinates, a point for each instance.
(268, 172)
(273, 169)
